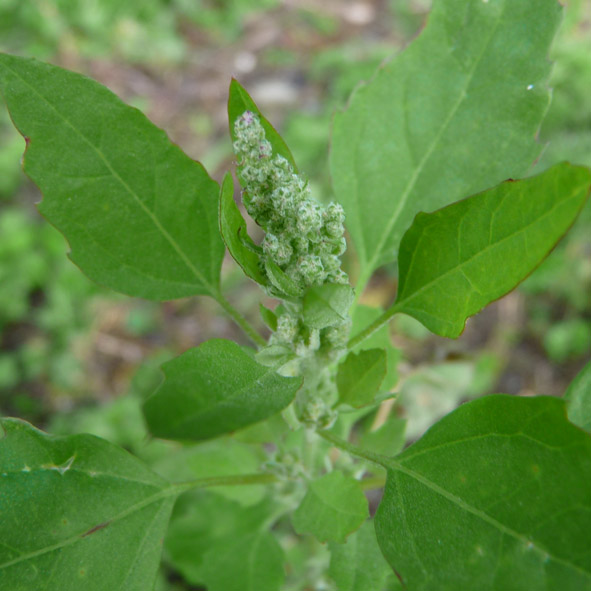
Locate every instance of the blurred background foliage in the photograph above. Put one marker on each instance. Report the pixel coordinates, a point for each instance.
(70, 350)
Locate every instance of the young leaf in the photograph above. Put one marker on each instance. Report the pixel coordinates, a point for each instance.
(284, 285)
(495, 496)
(77, 512)
(578, 396)
(457, 260)
(359, 377)
(140, 216)
(380, 339)
(269, 317)
(334, 506)
(388, 439)
(234, 233)
(327, 305)
(455, 113)
(358, 565)
(239, 101)
(214, 389)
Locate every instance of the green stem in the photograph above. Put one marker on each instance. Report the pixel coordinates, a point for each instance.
(248, 329)
(234, 480)
(354, 450)
(375, 325)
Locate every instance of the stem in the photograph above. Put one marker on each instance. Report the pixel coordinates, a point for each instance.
(375, 325)
(248, 329)
(237, 480)
(354, 450)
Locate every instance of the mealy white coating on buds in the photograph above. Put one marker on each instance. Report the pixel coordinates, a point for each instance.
(303, 238)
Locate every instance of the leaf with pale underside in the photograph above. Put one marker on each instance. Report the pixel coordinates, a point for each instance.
(454, 113)
(578, 397)
(214, 389)
(235, 235)
(457, 260)
(493, 497)
(77, 513)
(140, 216)
(334, 506)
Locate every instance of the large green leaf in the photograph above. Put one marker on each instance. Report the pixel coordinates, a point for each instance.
(494, 497)
(578, 396)
(77, 513)
(455, 261)
(453, 114)
(140, 216)
(334, 506)
(214, 389)
(359, 565)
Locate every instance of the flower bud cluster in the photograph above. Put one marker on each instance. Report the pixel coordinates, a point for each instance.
(303, 238)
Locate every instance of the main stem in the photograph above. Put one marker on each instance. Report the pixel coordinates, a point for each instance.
(241, 321)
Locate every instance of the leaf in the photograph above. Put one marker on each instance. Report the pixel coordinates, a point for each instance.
(140, 216)
(457, 260)
(327, 305)
(213, 389)
(358, 565)
(455, 113)
(380, 339)
(334, 506)
(269, 317)
(388, 439)
(238, 102)
(77, 512)
(235, 235)
(202, 519)
(493, 497)
(578, 396)
(359, 377)
(249, 562)
(285, 286)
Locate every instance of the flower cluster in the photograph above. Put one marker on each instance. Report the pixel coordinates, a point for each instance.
(303, 238)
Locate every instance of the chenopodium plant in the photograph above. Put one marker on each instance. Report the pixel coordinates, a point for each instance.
(495, 496)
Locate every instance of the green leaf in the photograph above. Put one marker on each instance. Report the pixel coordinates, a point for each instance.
(359, 377)
(327, 305)
(380, 339)
(457, 260)
(578, 396)
(358, 565)
(388, 439)
(77, 513)
(455, 113)
(269, 317)
(493, 497)
(140, 216)
(238, 102)
(214, 389)
(334, 506)
(202, 519)
(249, 562)
(285, 286)
(235, 235)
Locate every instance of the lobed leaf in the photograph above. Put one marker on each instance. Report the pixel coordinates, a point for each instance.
(334, 506)
(214, 389)
(140, 215)
(70, 507)
(457, 260)
(455, 113)
(494, 497)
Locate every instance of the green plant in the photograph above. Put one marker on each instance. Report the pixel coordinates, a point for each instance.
(494, 496)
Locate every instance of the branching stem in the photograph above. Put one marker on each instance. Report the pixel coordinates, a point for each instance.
(241, 321)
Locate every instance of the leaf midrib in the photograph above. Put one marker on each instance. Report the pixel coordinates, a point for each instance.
(427, 155)
(213, 291)
(396, 466)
